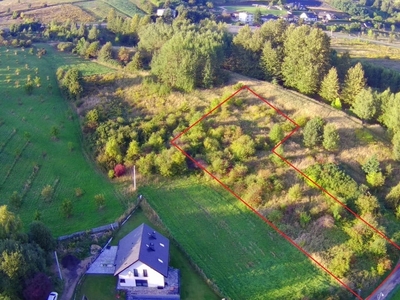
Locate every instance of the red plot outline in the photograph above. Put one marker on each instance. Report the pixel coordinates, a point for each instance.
(173, 143)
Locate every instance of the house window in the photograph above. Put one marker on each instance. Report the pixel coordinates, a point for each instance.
(144, 273)
(141, 282)
(135, 273)
(122, 281)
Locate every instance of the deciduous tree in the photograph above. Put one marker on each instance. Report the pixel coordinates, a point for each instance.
(365, 105)
(41, 235)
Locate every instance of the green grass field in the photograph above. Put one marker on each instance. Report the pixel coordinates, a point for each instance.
(192, 285)
(98, 8)
(25, 117)
(236, 250)
(252, 9)
(125, 6)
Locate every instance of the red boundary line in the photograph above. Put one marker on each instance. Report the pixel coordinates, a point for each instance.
(173, 143)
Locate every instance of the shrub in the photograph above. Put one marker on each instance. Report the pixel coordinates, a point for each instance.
(66, 208)
(313, 132)
(99, 200)
(376, 179)
(305, 218)
(47, 192)
(243, 147)
(65, 46)
(371, 165)
(15, 200)
(331, 138)
(29, 87)
(367, 204)
(119, 170)
(111, 174)
(276, 134)
(275, 216)
(340, 264)
(294, 192)
(78, 192)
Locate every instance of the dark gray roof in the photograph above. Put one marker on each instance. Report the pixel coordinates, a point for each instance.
(146, 245)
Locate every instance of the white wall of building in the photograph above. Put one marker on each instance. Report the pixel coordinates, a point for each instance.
(154, 279)
(245, 17)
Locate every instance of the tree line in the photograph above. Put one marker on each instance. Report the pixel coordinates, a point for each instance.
(24, 258)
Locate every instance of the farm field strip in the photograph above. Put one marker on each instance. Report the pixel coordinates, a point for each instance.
(7, 157)
(173, 142)
(241, 250)
(98, 7)
(18, 168)
(124, 6)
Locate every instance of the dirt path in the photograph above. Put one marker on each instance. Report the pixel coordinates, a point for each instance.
(71, 278)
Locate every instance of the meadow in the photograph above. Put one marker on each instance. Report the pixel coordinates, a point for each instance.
(32, 159)
(234, 248)
(192, 285)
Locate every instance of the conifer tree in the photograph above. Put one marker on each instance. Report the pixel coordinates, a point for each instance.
(330, 86)
(93, 34)
(331, 138)
(353, 84)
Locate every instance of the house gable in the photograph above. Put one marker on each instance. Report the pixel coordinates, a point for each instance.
(140, 274)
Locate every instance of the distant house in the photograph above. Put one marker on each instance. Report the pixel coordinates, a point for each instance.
(289, 17)
(309, 17)
(142, 258)
(162, 12)
(246, 18)
(326, 16)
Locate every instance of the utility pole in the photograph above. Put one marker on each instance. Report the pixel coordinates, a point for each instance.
(134, 178)
(58, 265)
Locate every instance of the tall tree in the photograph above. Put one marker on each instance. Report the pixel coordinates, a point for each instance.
(257, 17)
(330, 86)
(306, 58)
(365, 104)
(105, 53)
(271, 61)
(353, 84)
(93, 34)
(41, 235)
(10, 224)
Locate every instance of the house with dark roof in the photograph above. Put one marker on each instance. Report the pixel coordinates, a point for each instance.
(142, 258)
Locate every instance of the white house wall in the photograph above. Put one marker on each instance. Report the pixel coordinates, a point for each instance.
(154, 279)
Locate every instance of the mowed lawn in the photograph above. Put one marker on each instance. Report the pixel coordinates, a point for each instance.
(192, 285)
(26, 117)
(236, 250)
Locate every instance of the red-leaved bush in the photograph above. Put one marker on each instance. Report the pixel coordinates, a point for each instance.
(119, 170)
